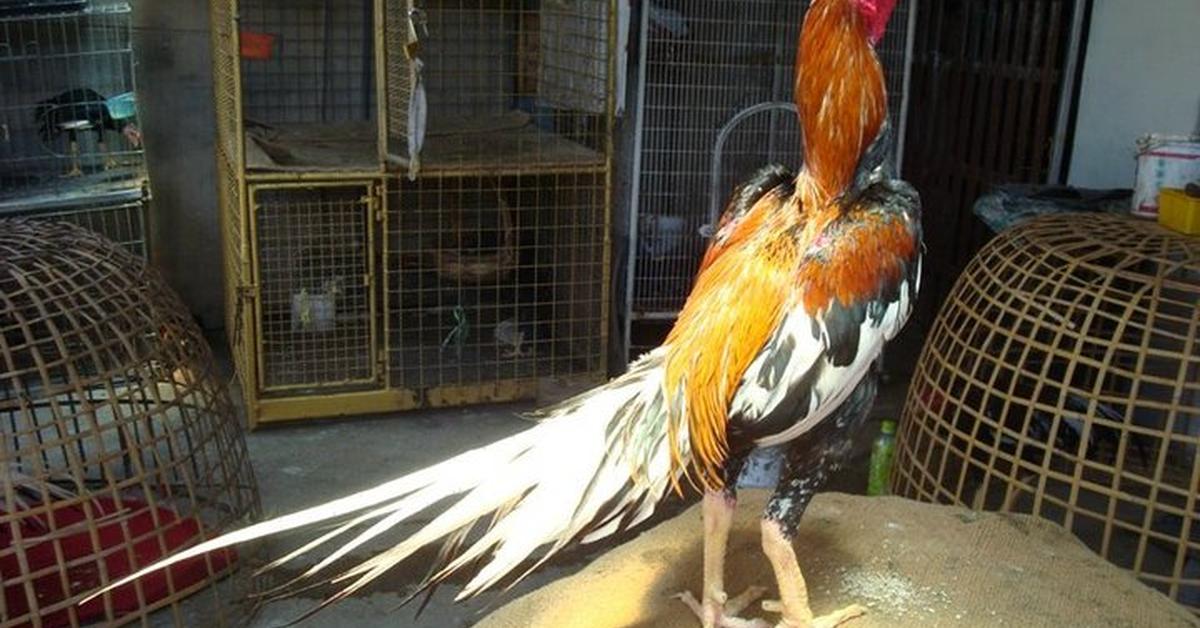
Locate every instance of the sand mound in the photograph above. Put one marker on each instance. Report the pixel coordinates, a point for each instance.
(911, 564)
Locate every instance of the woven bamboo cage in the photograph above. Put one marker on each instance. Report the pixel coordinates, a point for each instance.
(120, 443)
(1062, 379)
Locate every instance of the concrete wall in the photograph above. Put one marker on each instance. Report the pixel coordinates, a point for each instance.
(1141, 75)
(175, 92)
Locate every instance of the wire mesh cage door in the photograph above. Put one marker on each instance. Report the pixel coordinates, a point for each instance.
(315, 308)
(704, 65)
(494, 283)
(404, 131)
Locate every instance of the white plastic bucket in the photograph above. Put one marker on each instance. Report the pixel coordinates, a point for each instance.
(1163, 161)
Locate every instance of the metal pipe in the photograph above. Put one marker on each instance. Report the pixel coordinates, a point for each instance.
(326, 59)
(1058, 167)
(636, 185)
(906, 90)
(714, 191)
(368, 52)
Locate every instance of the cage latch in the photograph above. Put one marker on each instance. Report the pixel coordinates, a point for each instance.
(381, 362)
(244, 294)
(374, 207)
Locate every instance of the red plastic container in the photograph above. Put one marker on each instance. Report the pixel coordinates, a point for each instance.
(74, 557)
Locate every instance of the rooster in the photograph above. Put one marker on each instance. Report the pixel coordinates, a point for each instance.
(83, 109)
(807, 277)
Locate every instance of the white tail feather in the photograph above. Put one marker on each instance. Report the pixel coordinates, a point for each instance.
(568, 478)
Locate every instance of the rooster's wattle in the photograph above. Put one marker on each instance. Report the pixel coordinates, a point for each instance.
(807, 277)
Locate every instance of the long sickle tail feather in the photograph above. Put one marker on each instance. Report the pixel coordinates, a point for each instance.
(595, 464)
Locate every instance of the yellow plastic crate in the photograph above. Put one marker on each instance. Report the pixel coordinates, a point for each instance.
(1178, 211)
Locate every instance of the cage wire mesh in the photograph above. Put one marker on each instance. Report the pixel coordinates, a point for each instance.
(120, 216)
(308, 84)
(453, 251)
(484, 85)
(497, 270)
(705, 62)
(228, 145)
(69, 136)
(497, 279)
(119, 442)
(1062, 379)
(315, 257)
(296, 94)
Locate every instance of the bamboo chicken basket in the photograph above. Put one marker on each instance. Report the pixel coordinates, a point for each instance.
(1062, 379)
(120, 443)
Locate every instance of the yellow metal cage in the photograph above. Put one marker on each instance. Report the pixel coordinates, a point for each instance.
(415, 198)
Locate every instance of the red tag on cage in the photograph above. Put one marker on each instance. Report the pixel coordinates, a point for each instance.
(260, 46)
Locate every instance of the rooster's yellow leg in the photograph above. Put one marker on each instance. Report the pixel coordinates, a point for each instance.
(717, 610)
(718, 518)
(793, 593)
(110, 162)
(75, 170)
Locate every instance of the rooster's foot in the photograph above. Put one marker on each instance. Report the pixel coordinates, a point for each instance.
(832, 620)
(715, 614)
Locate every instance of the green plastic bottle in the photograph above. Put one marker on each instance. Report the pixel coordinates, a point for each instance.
(881, 459)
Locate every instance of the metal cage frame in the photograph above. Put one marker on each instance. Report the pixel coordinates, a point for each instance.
(389, 183)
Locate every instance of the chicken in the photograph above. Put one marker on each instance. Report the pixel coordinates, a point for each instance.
(807, 277)
(509, 335)
(83, 109)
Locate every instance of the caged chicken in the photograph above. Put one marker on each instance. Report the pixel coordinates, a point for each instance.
(809, 274)
(85, 109)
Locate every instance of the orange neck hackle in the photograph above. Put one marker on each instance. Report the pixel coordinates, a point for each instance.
(840, 90)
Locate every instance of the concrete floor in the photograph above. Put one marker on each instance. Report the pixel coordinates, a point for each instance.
(307, 463)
